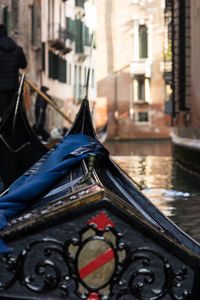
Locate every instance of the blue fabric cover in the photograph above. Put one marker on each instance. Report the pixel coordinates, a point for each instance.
(27, 187)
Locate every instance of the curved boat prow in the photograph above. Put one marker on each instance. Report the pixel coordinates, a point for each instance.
(20, 148)
(83, 121)
(84, 231)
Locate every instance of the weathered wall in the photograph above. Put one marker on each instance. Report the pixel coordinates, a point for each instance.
(115, 52)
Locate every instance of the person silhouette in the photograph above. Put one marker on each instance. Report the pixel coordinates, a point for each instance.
(40, 114)
(12, 58)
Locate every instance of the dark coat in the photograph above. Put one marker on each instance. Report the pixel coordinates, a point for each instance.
(11, 59)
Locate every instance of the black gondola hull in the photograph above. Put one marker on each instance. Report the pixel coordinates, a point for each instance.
(94, 235)
(20, 148)
(96, 242)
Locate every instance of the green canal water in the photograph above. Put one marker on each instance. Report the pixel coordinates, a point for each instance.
(173, 190)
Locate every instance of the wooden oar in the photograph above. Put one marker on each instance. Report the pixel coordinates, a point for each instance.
(46, 98)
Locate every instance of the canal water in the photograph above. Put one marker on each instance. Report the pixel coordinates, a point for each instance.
(173, 190)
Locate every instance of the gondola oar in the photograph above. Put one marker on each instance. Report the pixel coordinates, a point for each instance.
(46, 98)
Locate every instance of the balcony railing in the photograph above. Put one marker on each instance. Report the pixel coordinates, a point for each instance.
(166, 66)
(58, 36)
(64, 35)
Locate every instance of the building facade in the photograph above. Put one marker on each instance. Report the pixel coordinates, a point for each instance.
(66, 41)
(130, 68)
(26, 31)
(56, 41)
(186, 90)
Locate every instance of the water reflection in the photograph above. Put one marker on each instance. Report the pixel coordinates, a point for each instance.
(140, 148)
(173, 190)
(149, 171)
(153, 174)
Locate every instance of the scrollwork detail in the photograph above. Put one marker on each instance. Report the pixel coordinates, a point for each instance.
(50, 266)
(43, 275)
(150, 276)
(41, 267)
(8, 263)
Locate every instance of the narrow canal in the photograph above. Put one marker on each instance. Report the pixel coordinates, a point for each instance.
(173, 190)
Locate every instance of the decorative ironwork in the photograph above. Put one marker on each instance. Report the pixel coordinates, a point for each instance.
(95, 265)
(101, 221)
(93, 296)
(8, 267)
(148, 273)
(39, 267)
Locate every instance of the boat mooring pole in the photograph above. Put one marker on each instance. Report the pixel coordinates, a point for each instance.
(89, 67)
(18, 99)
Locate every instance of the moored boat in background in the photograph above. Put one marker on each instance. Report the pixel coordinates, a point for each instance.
(20, 148)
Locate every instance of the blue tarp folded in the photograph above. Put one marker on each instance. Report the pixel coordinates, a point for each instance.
(72, 150)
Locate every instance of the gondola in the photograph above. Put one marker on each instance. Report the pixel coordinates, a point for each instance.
(80, 228)
(20, 148)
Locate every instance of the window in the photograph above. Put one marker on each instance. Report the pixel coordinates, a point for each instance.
(86, 35)
(69, 74)
(82, 35)
(62, 70)
(70, 24)
(79, 36)
(143, 42)
(57, 67)
(143, 116)
(53, 65)
(139, 88)
(6, 18)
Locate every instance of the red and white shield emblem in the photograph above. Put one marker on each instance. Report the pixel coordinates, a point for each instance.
(96, 257)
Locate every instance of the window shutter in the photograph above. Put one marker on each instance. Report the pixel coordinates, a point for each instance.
(6, 18)
(50, 64)
(62, 67)
(79, 36)
(55, 66)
